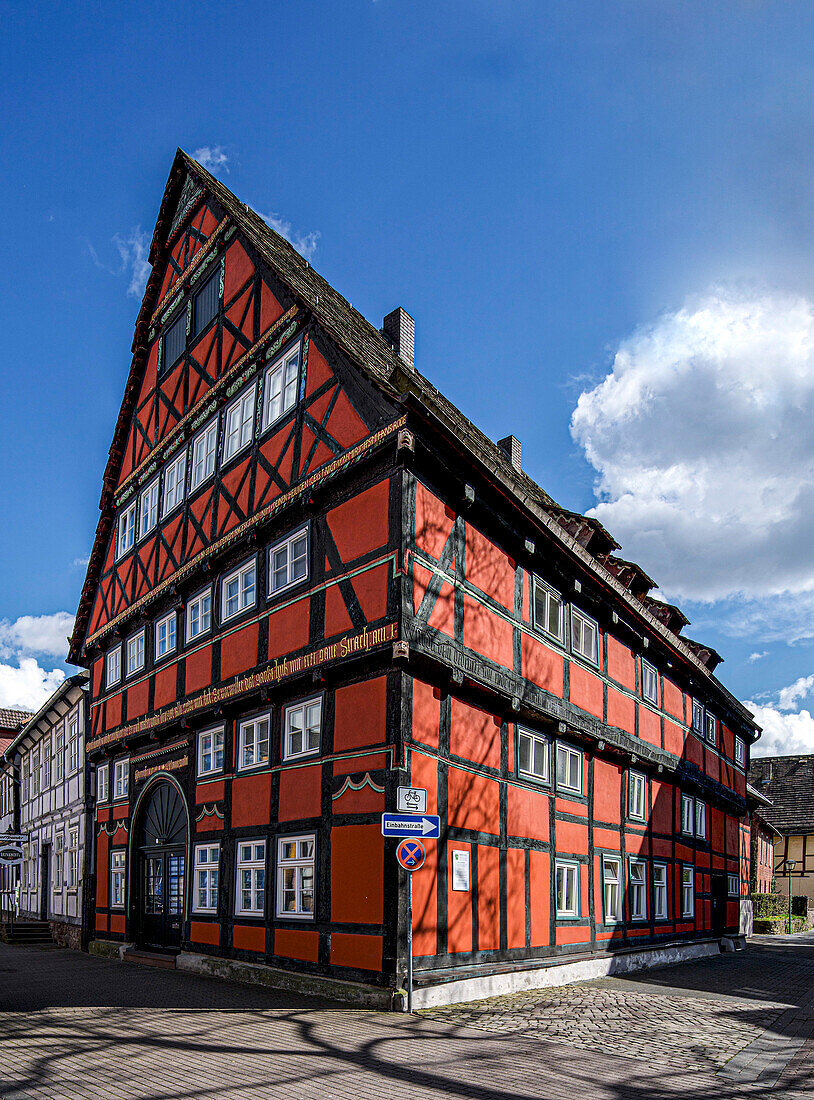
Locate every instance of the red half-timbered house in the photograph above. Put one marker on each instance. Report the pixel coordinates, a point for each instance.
(313, 581)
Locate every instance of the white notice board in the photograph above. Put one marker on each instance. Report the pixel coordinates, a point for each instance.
(460, 869)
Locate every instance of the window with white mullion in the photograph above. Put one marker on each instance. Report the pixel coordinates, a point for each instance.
(126, 531)
(295, 876)
(687, 891)
(73, 858)
(660, 893)
(59, 859)
(567, 889)
(102, 783)
(280, 386)
(165, 635)
(239, 590)
(637, 796)
(250, 897)
(206, 878)
(569, 769)
(548, 610)
(697, 716)
(687, 815)
(532, 755)
(121, 779)
(210, 751)
(733, 885)
(204, 449)
(711, 725)
(637, 889)
(117, 877)
(148, 509)
(303, 728)
(113, 666)
(612, 888)
(650, 683)
(199, 614)
(239, 424)
(288, 561)
(134, 653)
(740, 751)
(174, 481)
(700, 819)
(584, 636)
(254, 742)
(59, 754)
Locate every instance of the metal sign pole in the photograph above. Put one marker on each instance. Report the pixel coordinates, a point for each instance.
(409, 942)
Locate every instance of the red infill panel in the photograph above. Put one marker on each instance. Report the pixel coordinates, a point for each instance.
(288, 628)
(540, 899)
(361, 714)
(541, 665)
(607, 791)
(102, 870)
(442, 615)
(249, 938)
(300, 793)
(361, 523)
(426, 713)
(487, 633)
(204, 932)
(571, 838)
(251, 800)
(239, 268)
(527, 812)
(198, 670)
(425, 903)
(166, 681)
(586, 690)
(473, 802)
(210, 792)
(345, 424)
(238, 651)
(138, 699)
(621, 663)
(516, 897)
(433, 522)
(359, 952)
(488, 898)
(488, 568)
(649, 726)
(297, 944)
(357, 862)
(474, 734)
(459, 905)
(621, 711)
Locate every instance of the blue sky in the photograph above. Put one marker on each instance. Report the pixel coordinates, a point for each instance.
(599, 213)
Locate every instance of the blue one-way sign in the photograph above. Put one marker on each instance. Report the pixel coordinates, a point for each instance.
(423, 825)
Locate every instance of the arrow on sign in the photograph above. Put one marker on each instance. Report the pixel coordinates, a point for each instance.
(400, 825)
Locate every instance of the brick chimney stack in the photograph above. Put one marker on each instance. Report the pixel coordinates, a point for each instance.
(399, 328)
(511, 448)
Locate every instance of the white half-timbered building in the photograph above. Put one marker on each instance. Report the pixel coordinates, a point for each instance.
(48, 761)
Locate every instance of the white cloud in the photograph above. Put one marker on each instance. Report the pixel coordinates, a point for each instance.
(305, 243)
(757, 656)
(701, 437)
(212, 157)
(783, 734)
(133, 250)
(27, 686)
(36, 634)
(789, 697)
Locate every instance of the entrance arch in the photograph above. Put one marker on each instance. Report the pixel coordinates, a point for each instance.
(159, 845)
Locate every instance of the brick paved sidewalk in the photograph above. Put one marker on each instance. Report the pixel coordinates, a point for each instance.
(82, 1028)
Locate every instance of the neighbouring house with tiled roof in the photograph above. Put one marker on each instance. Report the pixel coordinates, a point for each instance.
(10, 722)
(788, 783)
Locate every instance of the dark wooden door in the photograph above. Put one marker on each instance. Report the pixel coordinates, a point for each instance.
(718, 903)
(162, 845)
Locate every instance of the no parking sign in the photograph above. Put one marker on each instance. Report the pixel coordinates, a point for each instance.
(411, 854)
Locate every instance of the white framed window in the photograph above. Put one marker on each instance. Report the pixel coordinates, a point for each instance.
(207, 865)
(238, 423)
(288, 561)
(199, 614)
(59, 860)
(687, 815)
(253, 743)
(117, 864)
(302, 728)
(280, 386)
(24, 780)
(740, 751)
(126, 531)
(569, 769)
(636, 796)
(711, 727)
(174, 341)
(533, 755)
(35, 772)
(73, 743)
(238, 590)
(174, 482)
(165, 635)
(567, 889)
(612, 888)
(700, 819)
(637, 889)
(121, 779)
(205, 304)
(59, 754)
(650, 683)
(210, 751)
(687, 891)
(549, 610)
(134, 653)
(113, 666)
(204, 449)
(295, 876)
(45, 764)
(148, 509)
(697, 716)
(250, 896)
(733, 886)
(660, 892)
(584, 636)
(73, 858)
(103, 783)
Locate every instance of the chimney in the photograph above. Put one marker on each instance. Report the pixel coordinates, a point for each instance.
(399, 328)
(511, 449)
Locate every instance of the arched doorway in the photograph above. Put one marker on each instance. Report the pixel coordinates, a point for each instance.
(160, 848)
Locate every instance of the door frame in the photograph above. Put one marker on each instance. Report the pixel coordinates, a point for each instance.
(718, 900)
(45, 880)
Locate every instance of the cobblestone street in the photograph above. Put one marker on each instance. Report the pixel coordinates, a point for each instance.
(730, 1026)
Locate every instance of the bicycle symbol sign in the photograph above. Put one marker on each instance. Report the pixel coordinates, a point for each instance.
(411, 854)
(412, 800)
